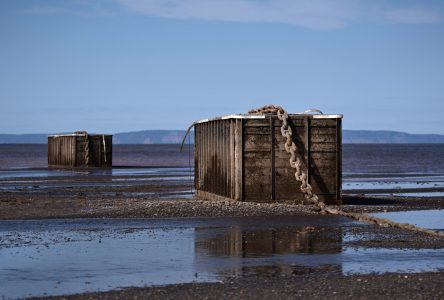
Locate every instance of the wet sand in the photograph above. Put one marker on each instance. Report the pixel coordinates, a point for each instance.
(242, 258)
(156, 193)
(168, 196)
(109, 203)
(299, 284)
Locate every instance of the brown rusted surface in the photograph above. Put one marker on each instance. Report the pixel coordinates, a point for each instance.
(69, 151)
(245, 159)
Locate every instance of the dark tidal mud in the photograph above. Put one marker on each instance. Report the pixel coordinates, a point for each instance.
(166, 196)
(302, 283)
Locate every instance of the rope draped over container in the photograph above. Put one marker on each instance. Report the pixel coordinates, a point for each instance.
(296, 162)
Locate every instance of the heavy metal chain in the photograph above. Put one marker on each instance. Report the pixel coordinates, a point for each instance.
(296, 163)
(87, 150)
(290, 147)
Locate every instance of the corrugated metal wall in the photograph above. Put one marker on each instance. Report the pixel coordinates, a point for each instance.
(69, 151)
(245, 159)
(214, 157)
(62, 151)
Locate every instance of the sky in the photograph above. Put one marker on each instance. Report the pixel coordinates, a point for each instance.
(110, 66)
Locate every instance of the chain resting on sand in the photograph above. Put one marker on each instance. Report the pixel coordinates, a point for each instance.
(296, 163)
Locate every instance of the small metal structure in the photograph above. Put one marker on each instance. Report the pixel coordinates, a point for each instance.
(80, 150)
(242, 157)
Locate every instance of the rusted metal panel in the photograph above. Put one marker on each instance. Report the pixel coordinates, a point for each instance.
(196, 155)
(71, 151)
(244, 158)
(273, 161)
(232, 159)
(238, 161)
(339, 161)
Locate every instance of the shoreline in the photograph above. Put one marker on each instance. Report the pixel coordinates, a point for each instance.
(303, 283)
(68, 204)
(64, 198)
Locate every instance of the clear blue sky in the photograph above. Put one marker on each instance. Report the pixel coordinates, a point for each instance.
(122, 65)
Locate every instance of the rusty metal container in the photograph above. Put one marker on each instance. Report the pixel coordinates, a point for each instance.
(80, 150)
(242, 157)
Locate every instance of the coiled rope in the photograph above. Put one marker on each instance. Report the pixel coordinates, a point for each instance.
(296, 163)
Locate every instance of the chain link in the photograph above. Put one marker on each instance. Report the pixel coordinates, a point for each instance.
(300, 174)
(87, 150)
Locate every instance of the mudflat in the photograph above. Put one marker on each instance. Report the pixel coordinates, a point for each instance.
(170, 202)
(299, 284)
(106, 202)
(131, 233)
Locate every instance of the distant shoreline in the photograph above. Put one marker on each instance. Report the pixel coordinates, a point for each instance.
(186, 144)
(159, 137)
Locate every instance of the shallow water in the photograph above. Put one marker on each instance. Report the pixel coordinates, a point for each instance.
(418, 194)
(129, 178)
(432, 219)
(367, 169)
(406, 185)
(55, 257)
(122, 172)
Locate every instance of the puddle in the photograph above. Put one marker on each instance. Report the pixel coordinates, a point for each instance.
(159, 178)
(378, 184)
(30, 180)
(188, 194)
(56, 257)
(399, 184)
(409, 194)
(34, 173)
(146, 171)
(31, 173)
(431, 219)
(360, 185)
(376, 260)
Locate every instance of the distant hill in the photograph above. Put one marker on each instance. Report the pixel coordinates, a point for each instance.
(175, 137)
(150, 137)
(134, 137)
(388, 137)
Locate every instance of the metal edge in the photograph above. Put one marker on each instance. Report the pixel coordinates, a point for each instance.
(241, 116)
(337, 116)
(75, 134)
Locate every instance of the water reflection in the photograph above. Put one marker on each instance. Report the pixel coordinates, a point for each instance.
(55, 257)
(240, 242)
(135, 182)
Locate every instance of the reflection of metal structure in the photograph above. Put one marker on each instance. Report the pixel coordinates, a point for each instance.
(265, 242)
(243, 157)
(80, 149)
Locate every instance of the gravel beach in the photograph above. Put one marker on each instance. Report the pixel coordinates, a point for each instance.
(137, 202)
(104, 201)
(299, 284)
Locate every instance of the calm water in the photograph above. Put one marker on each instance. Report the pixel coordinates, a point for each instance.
(54, 257)
(35, 156)
(380, 170)
(394, 158)
(374, 158)
(413, 170)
